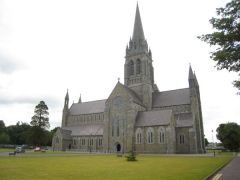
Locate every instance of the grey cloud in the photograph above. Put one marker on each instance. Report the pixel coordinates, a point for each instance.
(7, 65)
(52, 102)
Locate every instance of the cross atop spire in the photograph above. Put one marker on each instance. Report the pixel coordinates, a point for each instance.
(138, 29)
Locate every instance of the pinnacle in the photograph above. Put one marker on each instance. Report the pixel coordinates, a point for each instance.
(190, 75)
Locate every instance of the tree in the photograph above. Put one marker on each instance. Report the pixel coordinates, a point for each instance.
(206, 141)
(229, 135)
(4, 138)
(19, 133)
(2, 126)
(40, 119)
(226, 38)
(40, 122)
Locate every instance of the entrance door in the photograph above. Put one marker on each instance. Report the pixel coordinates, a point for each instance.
(118, 147)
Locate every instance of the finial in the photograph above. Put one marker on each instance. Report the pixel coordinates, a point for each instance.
(118, 79)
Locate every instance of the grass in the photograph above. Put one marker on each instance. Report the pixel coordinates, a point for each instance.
(109, 167)
(7, 149)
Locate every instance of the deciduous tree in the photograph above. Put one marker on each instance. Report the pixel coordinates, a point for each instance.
(229, 135)
(226, 38)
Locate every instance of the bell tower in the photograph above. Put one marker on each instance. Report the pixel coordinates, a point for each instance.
(138, 69)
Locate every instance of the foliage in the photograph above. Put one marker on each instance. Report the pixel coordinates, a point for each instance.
(2, 126)
(206, 141)
(19, 133)
(4, 138)
(131, 156)
(226, 38)
(40, 119)
(109, 167)
(40, 122)
(229, 135)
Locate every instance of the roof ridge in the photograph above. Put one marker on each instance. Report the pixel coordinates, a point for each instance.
(173, 90)
(90, 101)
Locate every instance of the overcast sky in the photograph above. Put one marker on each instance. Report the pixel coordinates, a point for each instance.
(49, 46)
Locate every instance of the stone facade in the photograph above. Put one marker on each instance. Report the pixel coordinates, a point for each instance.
(136, 115)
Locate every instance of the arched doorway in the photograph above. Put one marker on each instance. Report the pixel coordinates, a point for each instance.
(118, 147)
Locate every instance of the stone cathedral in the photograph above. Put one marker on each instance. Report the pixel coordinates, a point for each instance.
(136, 115)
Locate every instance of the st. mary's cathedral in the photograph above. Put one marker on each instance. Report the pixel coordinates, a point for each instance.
(136, 115)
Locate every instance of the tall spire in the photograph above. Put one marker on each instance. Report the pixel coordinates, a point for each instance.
(66, 100)
(67, 96)
(138, 29)
(190, 74)
(137, 43)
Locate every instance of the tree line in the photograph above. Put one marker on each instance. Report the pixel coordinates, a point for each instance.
(36, 133)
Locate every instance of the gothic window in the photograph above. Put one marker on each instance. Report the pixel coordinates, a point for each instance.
(161, 133)
(138, 136)
(91, 142)
(99, 142)
(181, 139)
(74, 142)
(131, 68)
(138, 69)
(150, 135)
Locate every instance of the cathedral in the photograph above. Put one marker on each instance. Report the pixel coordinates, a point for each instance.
(136, 116)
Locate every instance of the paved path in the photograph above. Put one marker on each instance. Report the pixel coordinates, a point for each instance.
(230, 172)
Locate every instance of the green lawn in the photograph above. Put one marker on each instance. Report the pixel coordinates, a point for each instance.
(109, 167)
(7, 149)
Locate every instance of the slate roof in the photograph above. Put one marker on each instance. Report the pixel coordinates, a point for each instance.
(86, 130)
(66, 134)
(87, 107)
(153, 118)
(170, 98)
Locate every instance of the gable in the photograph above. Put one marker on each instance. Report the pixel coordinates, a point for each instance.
(124, 91)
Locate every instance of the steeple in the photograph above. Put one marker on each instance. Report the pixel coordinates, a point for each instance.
(66, 100)
(80, 99)
(138, 29)
(137, 43)
(65, 110)
(138, 69)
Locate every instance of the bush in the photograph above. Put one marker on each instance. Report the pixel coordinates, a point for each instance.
(131, 156)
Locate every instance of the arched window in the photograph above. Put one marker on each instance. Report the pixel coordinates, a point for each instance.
(181, 139)
(161, 133)
(150, 134)
(131, 68)
(139, 136)
(138, 69)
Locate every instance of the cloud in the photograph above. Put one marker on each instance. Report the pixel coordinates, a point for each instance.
(7, 65)
(50, 101)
